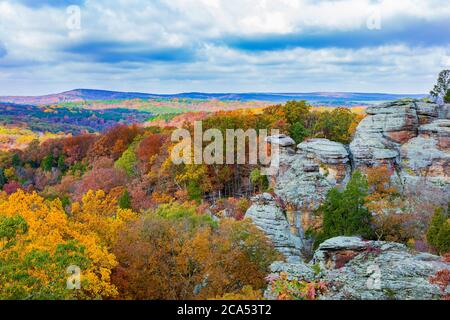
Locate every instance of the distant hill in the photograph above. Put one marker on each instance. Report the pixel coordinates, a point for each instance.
(67, 120)
(316, 98)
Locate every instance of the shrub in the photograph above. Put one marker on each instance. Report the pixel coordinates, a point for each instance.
(3, 179)
(294, 289)
(438, 234)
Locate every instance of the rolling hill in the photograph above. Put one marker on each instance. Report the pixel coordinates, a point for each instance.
(316, 98)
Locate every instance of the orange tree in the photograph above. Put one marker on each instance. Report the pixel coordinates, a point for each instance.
(174, 252)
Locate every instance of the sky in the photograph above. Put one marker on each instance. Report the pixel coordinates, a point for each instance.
(171, 46)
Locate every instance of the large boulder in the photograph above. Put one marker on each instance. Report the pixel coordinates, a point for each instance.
(397, 120)
(268, 215)
(300, 179)
(300, 183)
(379, 135)
(425, 160)
(281, 139)
(368, 270)
(411, 138)
(332, 158)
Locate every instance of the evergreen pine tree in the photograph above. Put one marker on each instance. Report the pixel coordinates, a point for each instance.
(125, 200)
(344, 212)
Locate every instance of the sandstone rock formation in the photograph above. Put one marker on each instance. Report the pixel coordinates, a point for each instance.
(380, 134)
(411, 138)
(306, 174)
(356, 269)
(267, 214)
(332, 158)
(302, 180)
(427, 156)
(387, 127)
(281, 139)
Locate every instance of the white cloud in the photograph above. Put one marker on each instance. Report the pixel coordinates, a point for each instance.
(36, 38)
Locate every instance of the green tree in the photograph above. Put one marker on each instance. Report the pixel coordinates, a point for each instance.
(344, 212)
(185, 213)
(438, 234)
(298, 132)
(62, 163)
(296, 111)
(3, 179)
(47, 162)
(442, 86)
(259, 180)
(10, 227)
(16, 162)
(127, 162)
(125, 200)
(19, 280)
(447, 97)
(335, 125)
(194, 191)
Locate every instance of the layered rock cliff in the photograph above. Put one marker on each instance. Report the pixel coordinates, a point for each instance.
(410, 137)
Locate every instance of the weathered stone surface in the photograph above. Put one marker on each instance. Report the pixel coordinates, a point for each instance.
(300, 271)
(379, 135)
(356, 269)
(269, 216)
(410, 138)
(439, 130)
(427, 112)
(402, 274)
(332, 158)
(301, 184)
(327, 151)
(281, 139)
(426, 159)
(398, 120)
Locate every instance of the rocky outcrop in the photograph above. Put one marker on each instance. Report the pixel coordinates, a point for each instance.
(428, 155)
(267, 214)
(428, 112)
(379, 136)
(281, 139)
(302, 180)
(410, 137)
(300, 183)
(305, 175)
(368, 270)
(332, 157)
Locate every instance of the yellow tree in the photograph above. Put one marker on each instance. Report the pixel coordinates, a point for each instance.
(99, 213)
(39, 242)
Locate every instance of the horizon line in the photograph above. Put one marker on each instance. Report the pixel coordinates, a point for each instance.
(214, 93)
